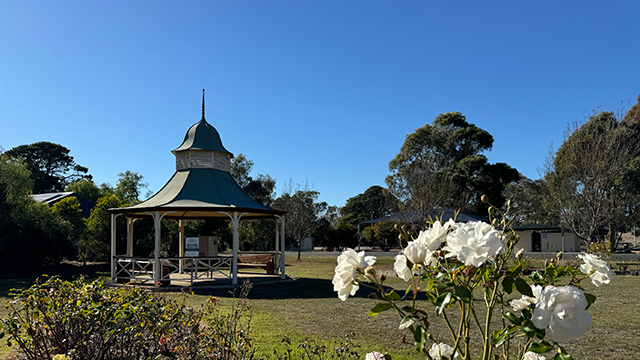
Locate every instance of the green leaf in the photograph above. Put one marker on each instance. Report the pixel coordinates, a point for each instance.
(441, 285)
(442, 301)
(408, 309)
(464, 294)
(455, 268)
(523, 287)
(551, 272)
(511, 317)
(406, 322)
(419, 337)
(432, 297)
(541, 347)
(392, 295)
(516, 270)
(591, 299)
(379, 308)
(532, 331)
(536, 277)
(507, 284)
(499, 337)
(562, 357)
(406, 292)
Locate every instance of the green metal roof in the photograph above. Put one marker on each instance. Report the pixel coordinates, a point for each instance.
(202, 136)
(198, 193)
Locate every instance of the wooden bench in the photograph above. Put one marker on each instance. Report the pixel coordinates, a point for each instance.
(257, 260)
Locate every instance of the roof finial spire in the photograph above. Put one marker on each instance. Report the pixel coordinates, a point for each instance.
(202, 104)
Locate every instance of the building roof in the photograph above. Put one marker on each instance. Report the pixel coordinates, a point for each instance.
(202, 136)
(200, 189)
(50, 198)
(200, 193)
(539, 228)
(413, 216)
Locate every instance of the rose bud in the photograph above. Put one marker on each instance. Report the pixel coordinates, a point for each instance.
(370, 271)
(520, 253)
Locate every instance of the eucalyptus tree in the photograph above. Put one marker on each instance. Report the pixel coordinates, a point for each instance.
(442, 165)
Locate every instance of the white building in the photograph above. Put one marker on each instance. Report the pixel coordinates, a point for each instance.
(546, 238)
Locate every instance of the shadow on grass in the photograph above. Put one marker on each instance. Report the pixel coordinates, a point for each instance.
(300, 289)
(18, 281)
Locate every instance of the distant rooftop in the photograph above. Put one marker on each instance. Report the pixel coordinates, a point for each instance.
(413, 216)
(50, 198)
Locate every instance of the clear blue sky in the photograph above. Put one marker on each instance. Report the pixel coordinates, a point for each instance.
(317, 91)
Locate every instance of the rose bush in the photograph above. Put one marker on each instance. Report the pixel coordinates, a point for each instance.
(452, 264)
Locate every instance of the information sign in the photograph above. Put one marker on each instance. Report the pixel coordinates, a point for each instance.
(192, 246)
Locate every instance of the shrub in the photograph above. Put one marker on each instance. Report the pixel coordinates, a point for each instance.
(88, 321)
(599, 248)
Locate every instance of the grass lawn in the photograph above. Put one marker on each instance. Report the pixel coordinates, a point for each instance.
(308, 308)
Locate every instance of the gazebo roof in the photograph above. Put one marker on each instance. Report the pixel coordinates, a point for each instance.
(202, 136)
(202, 186)
(200, 193)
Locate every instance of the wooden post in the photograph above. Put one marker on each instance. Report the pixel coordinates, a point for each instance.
(181, 224)
(236, 244)
(282, 249)
(156, 265)
(113, 247)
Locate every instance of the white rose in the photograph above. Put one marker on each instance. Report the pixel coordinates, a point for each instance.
(401, 268)
(419, 254)
(562, 310)
(374, 355)
(525, 301)
(434, 237)
(344, 279)
(602, 274)
(530, 355)
(416, 252)
(442, 351)
(473, 243)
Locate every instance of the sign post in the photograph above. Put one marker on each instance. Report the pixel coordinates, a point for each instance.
(192, 249)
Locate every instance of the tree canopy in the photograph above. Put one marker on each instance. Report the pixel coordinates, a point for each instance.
(30, 234)
(594, 177)
(51, 166)
(303, 214)
(441, 165)
(86, 189)
(130, 187)
(376, 201)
